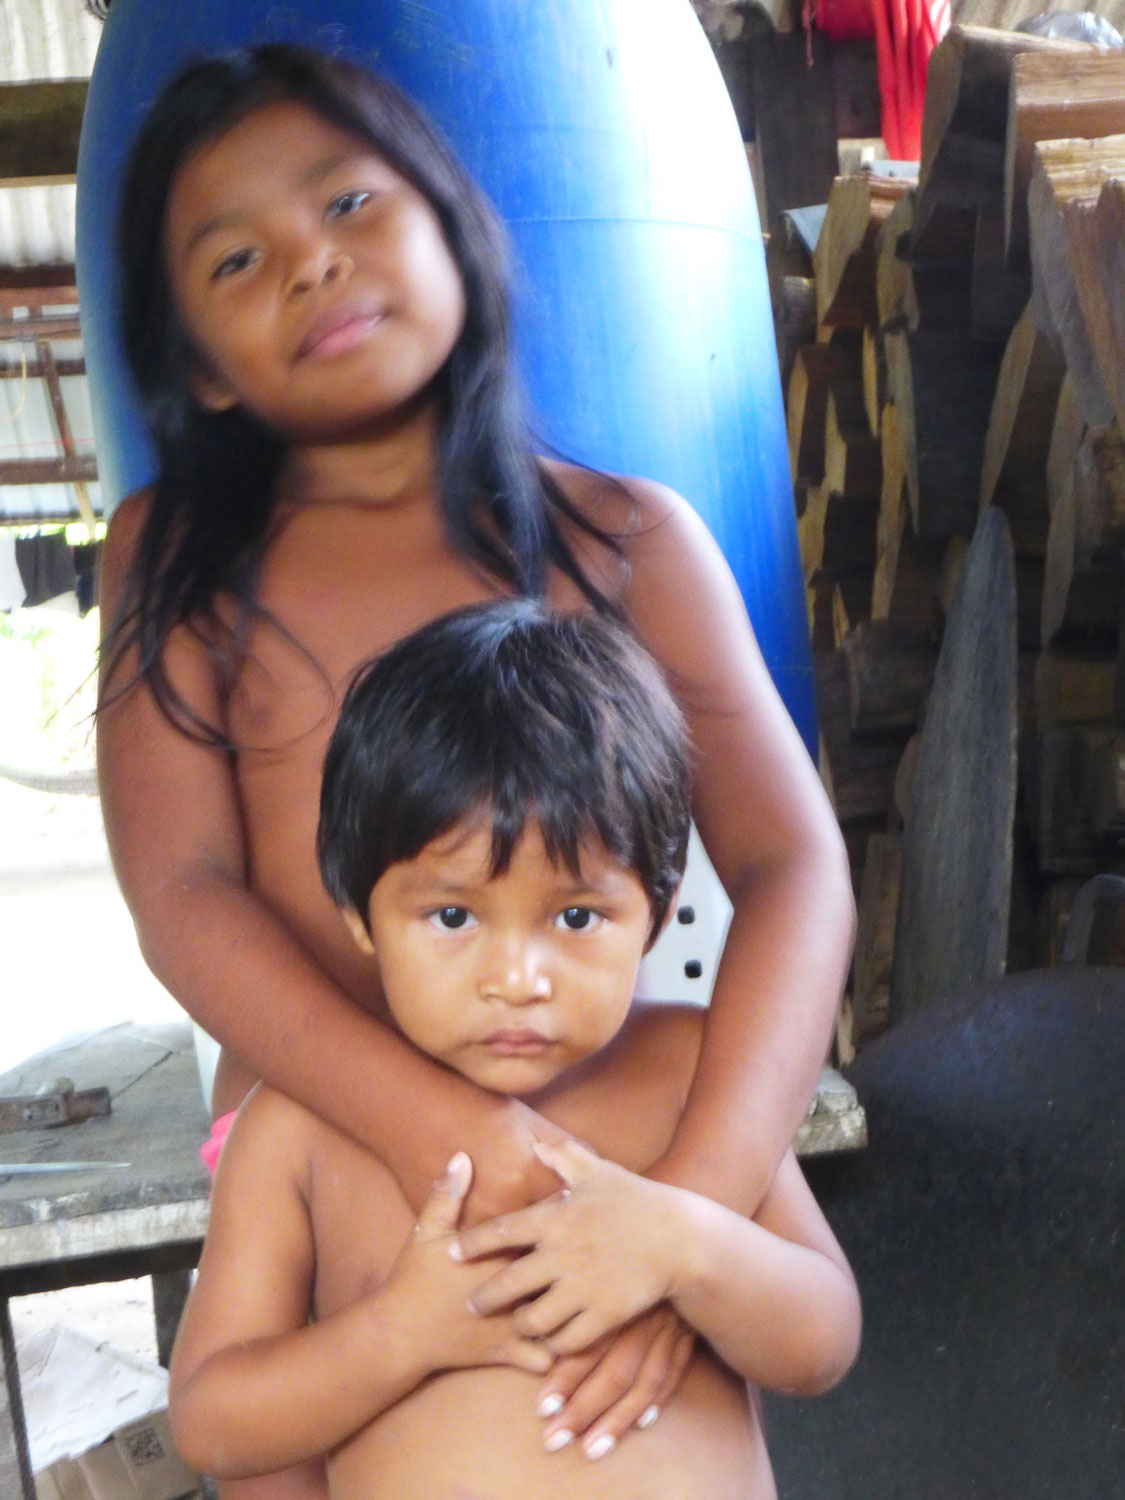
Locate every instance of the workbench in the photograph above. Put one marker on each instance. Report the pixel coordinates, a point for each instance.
(148, 1219)
(102, 1223)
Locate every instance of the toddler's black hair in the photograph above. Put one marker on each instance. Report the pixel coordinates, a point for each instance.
(516, 713)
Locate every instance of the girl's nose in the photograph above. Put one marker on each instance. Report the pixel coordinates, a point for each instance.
(315, 265)
(515, 972)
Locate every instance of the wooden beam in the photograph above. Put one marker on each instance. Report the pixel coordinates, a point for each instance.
(36, 287)
(15, 370)
(63, 431)
(21, 330)
(39, 127)
(82, 470)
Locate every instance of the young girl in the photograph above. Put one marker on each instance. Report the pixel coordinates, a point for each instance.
(316, 316)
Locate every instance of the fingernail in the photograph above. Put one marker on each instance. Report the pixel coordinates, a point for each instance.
(648, 1416)
(598, 1447)
(551, 1405)
(455, 1250)
(558, 1440)
(454, 1167)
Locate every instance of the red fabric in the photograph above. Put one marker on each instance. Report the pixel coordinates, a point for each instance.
(845, 20)
(906, 33)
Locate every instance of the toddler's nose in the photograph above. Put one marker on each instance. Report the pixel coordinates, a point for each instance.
(516, 974)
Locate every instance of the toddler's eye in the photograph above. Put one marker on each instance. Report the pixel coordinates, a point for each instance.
(453, 918)
(230, 265)
(347, 203)
(578, 919)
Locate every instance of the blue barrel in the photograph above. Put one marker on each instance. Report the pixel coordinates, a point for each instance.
(602, 131)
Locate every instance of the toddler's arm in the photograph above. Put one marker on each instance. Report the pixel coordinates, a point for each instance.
(774, 1297)
(255, 1386)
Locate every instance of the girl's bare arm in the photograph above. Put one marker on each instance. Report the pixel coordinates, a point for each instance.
(773, 840)
(175, 834)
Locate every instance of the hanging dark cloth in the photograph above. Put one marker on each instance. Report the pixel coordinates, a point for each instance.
(46, 566)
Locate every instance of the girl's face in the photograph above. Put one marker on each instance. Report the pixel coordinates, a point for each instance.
(314, 280)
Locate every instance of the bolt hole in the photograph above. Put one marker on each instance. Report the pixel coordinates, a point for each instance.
(693, 969)
(685, 916)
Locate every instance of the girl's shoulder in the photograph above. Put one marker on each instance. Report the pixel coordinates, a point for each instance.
(131, 513)
(624, 506)
(126, 525)
(663, 544)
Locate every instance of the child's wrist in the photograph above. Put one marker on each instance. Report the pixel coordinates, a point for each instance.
(691, 1235)
(401, 1337)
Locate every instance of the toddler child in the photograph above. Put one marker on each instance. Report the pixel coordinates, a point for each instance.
(504, 820)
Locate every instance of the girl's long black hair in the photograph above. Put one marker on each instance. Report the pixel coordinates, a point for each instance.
(209, 521)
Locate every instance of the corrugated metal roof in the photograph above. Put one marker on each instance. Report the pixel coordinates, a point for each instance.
(46, 39)
(42, 39)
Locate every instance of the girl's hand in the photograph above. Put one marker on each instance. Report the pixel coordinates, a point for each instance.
(435, 1293)
(599, 1253)
(623, 1381)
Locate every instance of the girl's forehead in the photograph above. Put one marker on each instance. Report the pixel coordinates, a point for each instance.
(283, 143)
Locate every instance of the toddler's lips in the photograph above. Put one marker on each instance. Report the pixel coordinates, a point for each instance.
(338, 332)
(522, 1043)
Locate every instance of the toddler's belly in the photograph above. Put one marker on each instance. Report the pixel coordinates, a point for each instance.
(474, 1435)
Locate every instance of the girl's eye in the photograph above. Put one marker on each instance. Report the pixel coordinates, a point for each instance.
(230, 265)
(347, 203)
(453, 918)
(579, 919)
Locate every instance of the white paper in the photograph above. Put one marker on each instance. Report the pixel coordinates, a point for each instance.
(76, 1391)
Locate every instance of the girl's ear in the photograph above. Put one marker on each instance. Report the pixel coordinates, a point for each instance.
(210, 390)
(356, 926)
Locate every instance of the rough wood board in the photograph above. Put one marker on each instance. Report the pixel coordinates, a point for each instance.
(1097, 243)
(157, 1124)
(795, 120)
(1054, 97)
(1066, 173)
(952, 929)
(39, 128)
(1013, 473)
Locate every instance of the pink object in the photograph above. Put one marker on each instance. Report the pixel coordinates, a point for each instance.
(212, 1147)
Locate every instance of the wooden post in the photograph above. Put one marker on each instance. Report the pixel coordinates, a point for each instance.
(15, 1466)
(795, 120)
(952, 930)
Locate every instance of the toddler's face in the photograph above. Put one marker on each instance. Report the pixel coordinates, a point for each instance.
(514, 979)
(314, 280)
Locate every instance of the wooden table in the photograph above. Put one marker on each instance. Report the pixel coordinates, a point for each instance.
(72, 1228)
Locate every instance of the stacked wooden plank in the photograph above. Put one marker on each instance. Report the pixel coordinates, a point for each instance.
(969, 352)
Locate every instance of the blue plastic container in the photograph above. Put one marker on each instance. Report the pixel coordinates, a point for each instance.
(602, 131)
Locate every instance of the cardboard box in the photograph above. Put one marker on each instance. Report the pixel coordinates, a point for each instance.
(97, 1421)
(139, 1462)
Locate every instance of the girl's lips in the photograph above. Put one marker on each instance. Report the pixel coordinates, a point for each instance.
(337, 332)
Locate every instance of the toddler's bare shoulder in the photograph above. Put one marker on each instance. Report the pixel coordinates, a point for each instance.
(274, 1121)
(663, 1041)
